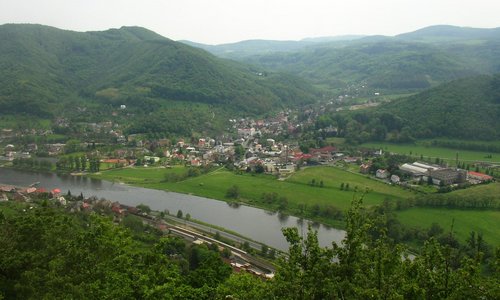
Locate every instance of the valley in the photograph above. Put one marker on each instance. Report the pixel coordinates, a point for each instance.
(383, 145)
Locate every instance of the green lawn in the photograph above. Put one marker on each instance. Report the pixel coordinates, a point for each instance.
(433, 152)
(482, 190)
(139, 175)
(296, 189)
(487, 222)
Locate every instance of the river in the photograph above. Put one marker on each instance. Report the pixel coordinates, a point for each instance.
(257, 224)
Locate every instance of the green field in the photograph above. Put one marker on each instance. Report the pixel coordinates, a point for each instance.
(139, 175)
(297, 190)
(433, 152)
(487, 222)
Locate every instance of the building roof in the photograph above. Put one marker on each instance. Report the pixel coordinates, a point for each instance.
(480, 175)
(413, 169)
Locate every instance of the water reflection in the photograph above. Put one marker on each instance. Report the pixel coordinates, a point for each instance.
(234, 205)
(283, 217)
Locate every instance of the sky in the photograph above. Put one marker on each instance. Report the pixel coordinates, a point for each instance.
(225, 21)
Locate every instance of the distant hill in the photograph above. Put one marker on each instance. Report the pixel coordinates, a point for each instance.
(411, 61)
(447, 33)
(45, 70)
(247, 48)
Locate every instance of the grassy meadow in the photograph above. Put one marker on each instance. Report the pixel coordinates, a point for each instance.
(465, 221)
(296, 188)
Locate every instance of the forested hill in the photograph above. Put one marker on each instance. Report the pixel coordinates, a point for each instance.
(42, 69)
(412, 61)
(466, 108)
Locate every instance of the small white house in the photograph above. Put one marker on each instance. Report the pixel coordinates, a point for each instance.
(382, 174)
(395, 179)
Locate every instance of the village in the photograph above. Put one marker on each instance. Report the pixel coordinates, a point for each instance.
(269, 146)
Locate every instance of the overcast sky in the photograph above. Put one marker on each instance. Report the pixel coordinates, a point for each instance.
(223, 21)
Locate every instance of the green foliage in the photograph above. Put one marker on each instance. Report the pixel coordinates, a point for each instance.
(368, 264)
(206, 267)
(244, 286)
(233, 192)
(446, 111)
(153, 76)
(49, 254)
(449, 111)
(32, 164)
(144, 208)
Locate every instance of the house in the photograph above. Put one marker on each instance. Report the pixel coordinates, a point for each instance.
(62, 200)
(478, 177)
(351, 159)
(324, 150)
(7, 188)
(382, 174)
(30, 190)
(246, 131)
(395, 179)
(195, 162)
(202, 143)
(153, 159)
(364, 168)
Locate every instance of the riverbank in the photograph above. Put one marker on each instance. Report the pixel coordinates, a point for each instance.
(257, 224)
(320, 203)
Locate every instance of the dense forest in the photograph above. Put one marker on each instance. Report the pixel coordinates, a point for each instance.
(46, 252)
(48, 72)
(464, 109)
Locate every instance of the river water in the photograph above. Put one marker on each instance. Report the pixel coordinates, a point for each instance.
(257, 224)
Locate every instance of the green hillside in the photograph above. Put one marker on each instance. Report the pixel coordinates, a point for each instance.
(45, 69)
(466, 108)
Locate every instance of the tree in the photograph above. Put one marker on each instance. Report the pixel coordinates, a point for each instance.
(144, 208)
(179, 214)
(259, 168)
(233, 192)
(264, 249)
(83, 162)
(206, 267)
(77, 163)
(188, 217)
(307, 273)
(244, 286)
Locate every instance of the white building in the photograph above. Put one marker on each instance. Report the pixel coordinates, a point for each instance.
(382, 174)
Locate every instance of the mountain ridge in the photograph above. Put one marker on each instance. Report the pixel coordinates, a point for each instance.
(43, 65)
